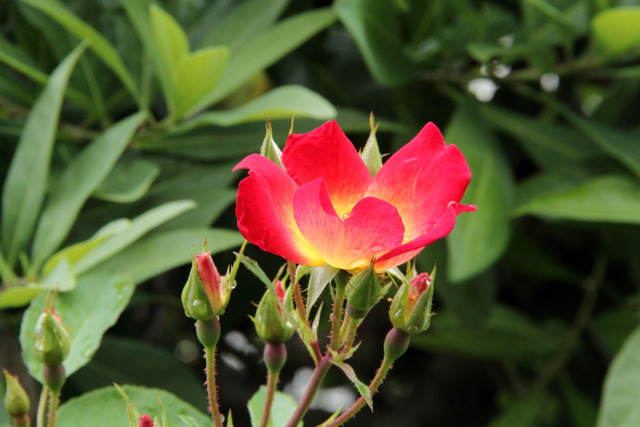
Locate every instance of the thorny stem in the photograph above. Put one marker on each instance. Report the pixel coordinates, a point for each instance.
(336, 319)
(54, 399)
(300, 307)
(312, 388)
(42, 406)
(373, 388)
(212, 390)
(272, 382)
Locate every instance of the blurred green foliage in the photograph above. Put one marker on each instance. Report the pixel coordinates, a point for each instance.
(121, 120)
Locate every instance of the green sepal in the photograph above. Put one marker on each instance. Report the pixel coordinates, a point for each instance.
(51, 339)
(418, 319)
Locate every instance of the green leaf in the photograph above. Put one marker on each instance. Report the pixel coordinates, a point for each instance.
(160, 252)
(479, 238)
(75, 252)
(26, 181)
(107, 404)
(139, 227)
(98, 43)
(359, 385)
(284, 405)
(244, 22)
(606, 198)
(616, 30)
(283, 102)
(619, 405)
(506, 335)
(197, 74)
(87, 311)
(130, 361)
(253, 267)
(620, 145)
(611, 328)
(581, 409)
(18, 296)
(170, 44)
(320, 278)
(79, 179)
(128, 181)
(375, 28)
(17, 59)
(265, 50)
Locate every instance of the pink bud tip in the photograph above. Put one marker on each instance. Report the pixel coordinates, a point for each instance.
(145, 421)
(279, 291)
(207, 271)
(420, 283)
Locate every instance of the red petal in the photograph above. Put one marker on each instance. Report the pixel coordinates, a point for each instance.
(327, 153)
(404, 253)
(421, 180)
(372, 227)
(265, 211)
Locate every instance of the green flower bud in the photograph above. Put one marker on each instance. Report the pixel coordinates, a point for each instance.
(271, 321)
(270, 149)
(371, 153)
(51, 338)
(410, 311)
(194, 297)
(366, 291)
(16, 400)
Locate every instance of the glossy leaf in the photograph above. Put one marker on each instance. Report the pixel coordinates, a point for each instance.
(284, 405)
(162, 251)
(608, 198)
(616, 30)
(263, 51)
(128, 181)
(139, 227)
(107, 404)
(87, 312)
(479, 238)
(98, 43)
(619, 405)
(283, 102)
(25, 184)
(375, 27)
(244, 22)
(79, 179)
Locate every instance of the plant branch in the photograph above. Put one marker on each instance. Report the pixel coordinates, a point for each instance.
(212, 389)
(312, 388)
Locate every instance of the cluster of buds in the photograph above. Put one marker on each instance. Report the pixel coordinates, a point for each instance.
(51, 342)
(16, 401)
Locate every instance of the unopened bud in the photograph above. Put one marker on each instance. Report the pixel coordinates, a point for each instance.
(366, 292)
(272, 316)
(410, 311)
(16, 401)
(218, 288)
(270, 149)
(51, 338)
(371, 153)
(145, 421)
(194, 297)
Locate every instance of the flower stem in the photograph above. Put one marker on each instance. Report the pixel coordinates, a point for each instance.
(54, 400)
(42, 406)
(336, 318)
(316, 379)
(212, 390)
(272, 382)
(373, 387)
